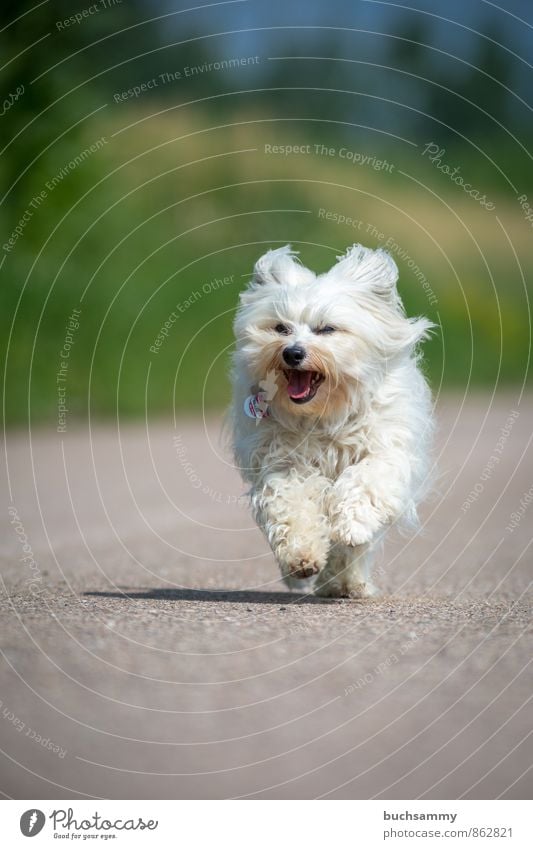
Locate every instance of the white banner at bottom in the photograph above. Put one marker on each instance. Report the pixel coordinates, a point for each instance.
(258, 824)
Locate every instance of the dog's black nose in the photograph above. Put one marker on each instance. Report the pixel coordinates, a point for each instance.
(294, 355)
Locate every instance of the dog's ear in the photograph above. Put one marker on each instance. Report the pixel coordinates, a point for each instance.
(408, 332)
(374, 275)
(279, 266)
(374, 270)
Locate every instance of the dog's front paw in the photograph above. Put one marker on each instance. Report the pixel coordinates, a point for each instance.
(349, 531)
(302, 562)
(305, 569)
(355, 522)
(296, 577)
(301, 567)
(337, 587)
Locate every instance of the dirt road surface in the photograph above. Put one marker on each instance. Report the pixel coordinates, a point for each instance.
(150, 651)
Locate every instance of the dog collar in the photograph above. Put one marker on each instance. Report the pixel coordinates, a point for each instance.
(256, 406)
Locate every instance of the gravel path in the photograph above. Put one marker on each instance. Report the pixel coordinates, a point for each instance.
(150, 651)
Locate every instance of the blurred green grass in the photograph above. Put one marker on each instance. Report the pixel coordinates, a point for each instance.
(167, 207)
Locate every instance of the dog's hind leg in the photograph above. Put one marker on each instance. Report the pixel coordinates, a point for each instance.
(347, 573)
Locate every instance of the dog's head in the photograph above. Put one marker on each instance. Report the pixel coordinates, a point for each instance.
(322, 338)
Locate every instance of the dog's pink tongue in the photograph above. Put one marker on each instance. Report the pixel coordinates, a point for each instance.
(299, 383)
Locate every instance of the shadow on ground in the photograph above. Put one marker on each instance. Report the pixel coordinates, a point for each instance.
(233, 596)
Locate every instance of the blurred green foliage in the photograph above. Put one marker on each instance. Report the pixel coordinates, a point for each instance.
(139, 228)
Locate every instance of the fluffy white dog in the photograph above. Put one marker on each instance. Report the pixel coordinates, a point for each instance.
(332, 415)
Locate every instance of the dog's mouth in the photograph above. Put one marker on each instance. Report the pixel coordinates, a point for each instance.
(302, 385)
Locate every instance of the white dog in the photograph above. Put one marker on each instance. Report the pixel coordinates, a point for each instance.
(331, 416)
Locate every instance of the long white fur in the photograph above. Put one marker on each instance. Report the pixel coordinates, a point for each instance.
(329, 477)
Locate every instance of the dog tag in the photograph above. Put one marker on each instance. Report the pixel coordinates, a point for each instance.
(256, 407)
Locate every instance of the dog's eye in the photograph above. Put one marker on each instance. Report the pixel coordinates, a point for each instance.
(326, 329)
(283, 329)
